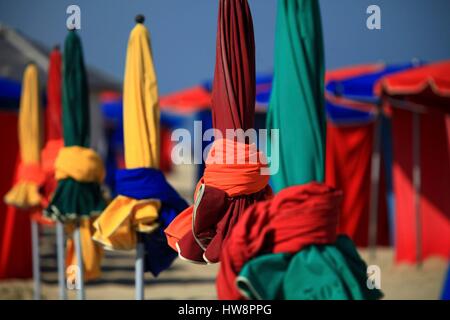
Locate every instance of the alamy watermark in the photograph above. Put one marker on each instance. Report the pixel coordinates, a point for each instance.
(73, 280)
(74, 19)
(373, 22)
(189, 149)
(373, 277)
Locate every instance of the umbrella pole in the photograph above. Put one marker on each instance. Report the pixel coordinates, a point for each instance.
(417, 185)
(36, 264)
(60, 260)
(139, 269)
(80, 270)
(374, 187)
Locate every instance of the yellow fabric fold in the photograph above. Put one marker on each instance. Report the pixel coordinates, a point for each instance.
(25, 193)
(80, 164)
(140, 101)
(117, 226)
(92, 253)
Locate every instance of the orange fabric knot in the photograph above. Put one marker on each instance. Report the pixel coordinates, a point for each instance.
(231, 166)
(31, 172)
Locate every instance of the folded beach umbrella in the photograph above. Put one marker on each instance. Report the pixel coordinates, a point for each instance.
(78, 169)
(53, 122)
(25, 193)
(53, 143)
(146, 203)
(297, 106)
(287, 247)
(29, 177)
(227, 188)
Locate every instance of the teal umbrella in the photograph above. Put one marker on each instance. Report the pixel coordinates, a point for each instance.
(326, 267)
(297, 105)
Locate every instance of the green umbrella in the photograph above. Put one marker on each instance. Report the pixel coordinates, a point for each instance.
(297, 106)
(334, 270)
(74, 199)
(78, 169)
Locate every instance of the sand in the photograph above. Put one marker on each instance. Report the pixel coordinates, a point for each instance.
(188, 281)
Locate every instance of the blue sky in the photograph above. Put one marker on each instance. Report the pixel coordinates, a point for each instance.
(183, 32)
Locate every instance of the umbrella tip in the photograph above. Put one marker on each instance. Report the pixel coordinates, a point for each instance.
(56, 47)
(139, 18)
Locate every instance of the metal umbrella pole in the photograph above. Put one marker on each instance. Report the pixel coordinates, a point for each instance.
(80, 270)
(139, 269)
(374, 185)
(60, 260)
(36, 264)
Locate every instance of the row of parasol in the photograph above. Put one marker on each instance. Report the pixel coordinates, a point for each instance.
(367, 132)
(61, 183)
(369, 150)
(286, 245)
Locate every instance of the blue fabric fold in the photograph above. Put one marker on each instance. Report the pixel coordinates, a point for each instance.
(446, 289)
(149, 183)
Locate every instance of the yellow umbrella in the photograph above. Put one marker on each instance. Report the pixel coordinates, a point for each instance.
(117, 226)
(25, 193)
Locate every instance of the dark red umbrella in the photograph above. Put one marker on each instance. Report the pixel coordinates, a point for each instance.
(225, 190)
(234, 86)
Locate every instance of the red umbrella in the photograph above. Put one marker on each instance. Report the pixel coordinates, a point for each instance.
(417, 81)
(420, 101)
(234, 86)
(53, 125)
(225, 190)
(192, 99)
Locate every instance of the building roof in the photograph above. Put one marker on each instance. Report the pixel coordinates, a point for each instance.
(17, 50)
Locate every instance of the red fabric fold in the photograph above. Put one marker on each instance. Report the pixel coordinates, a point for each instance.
(296, 217)
(225, 197)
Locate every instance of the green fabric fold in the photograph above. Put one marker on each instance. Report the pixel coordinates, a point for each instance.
(73, 199)
(318, 272)
(297, 105)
